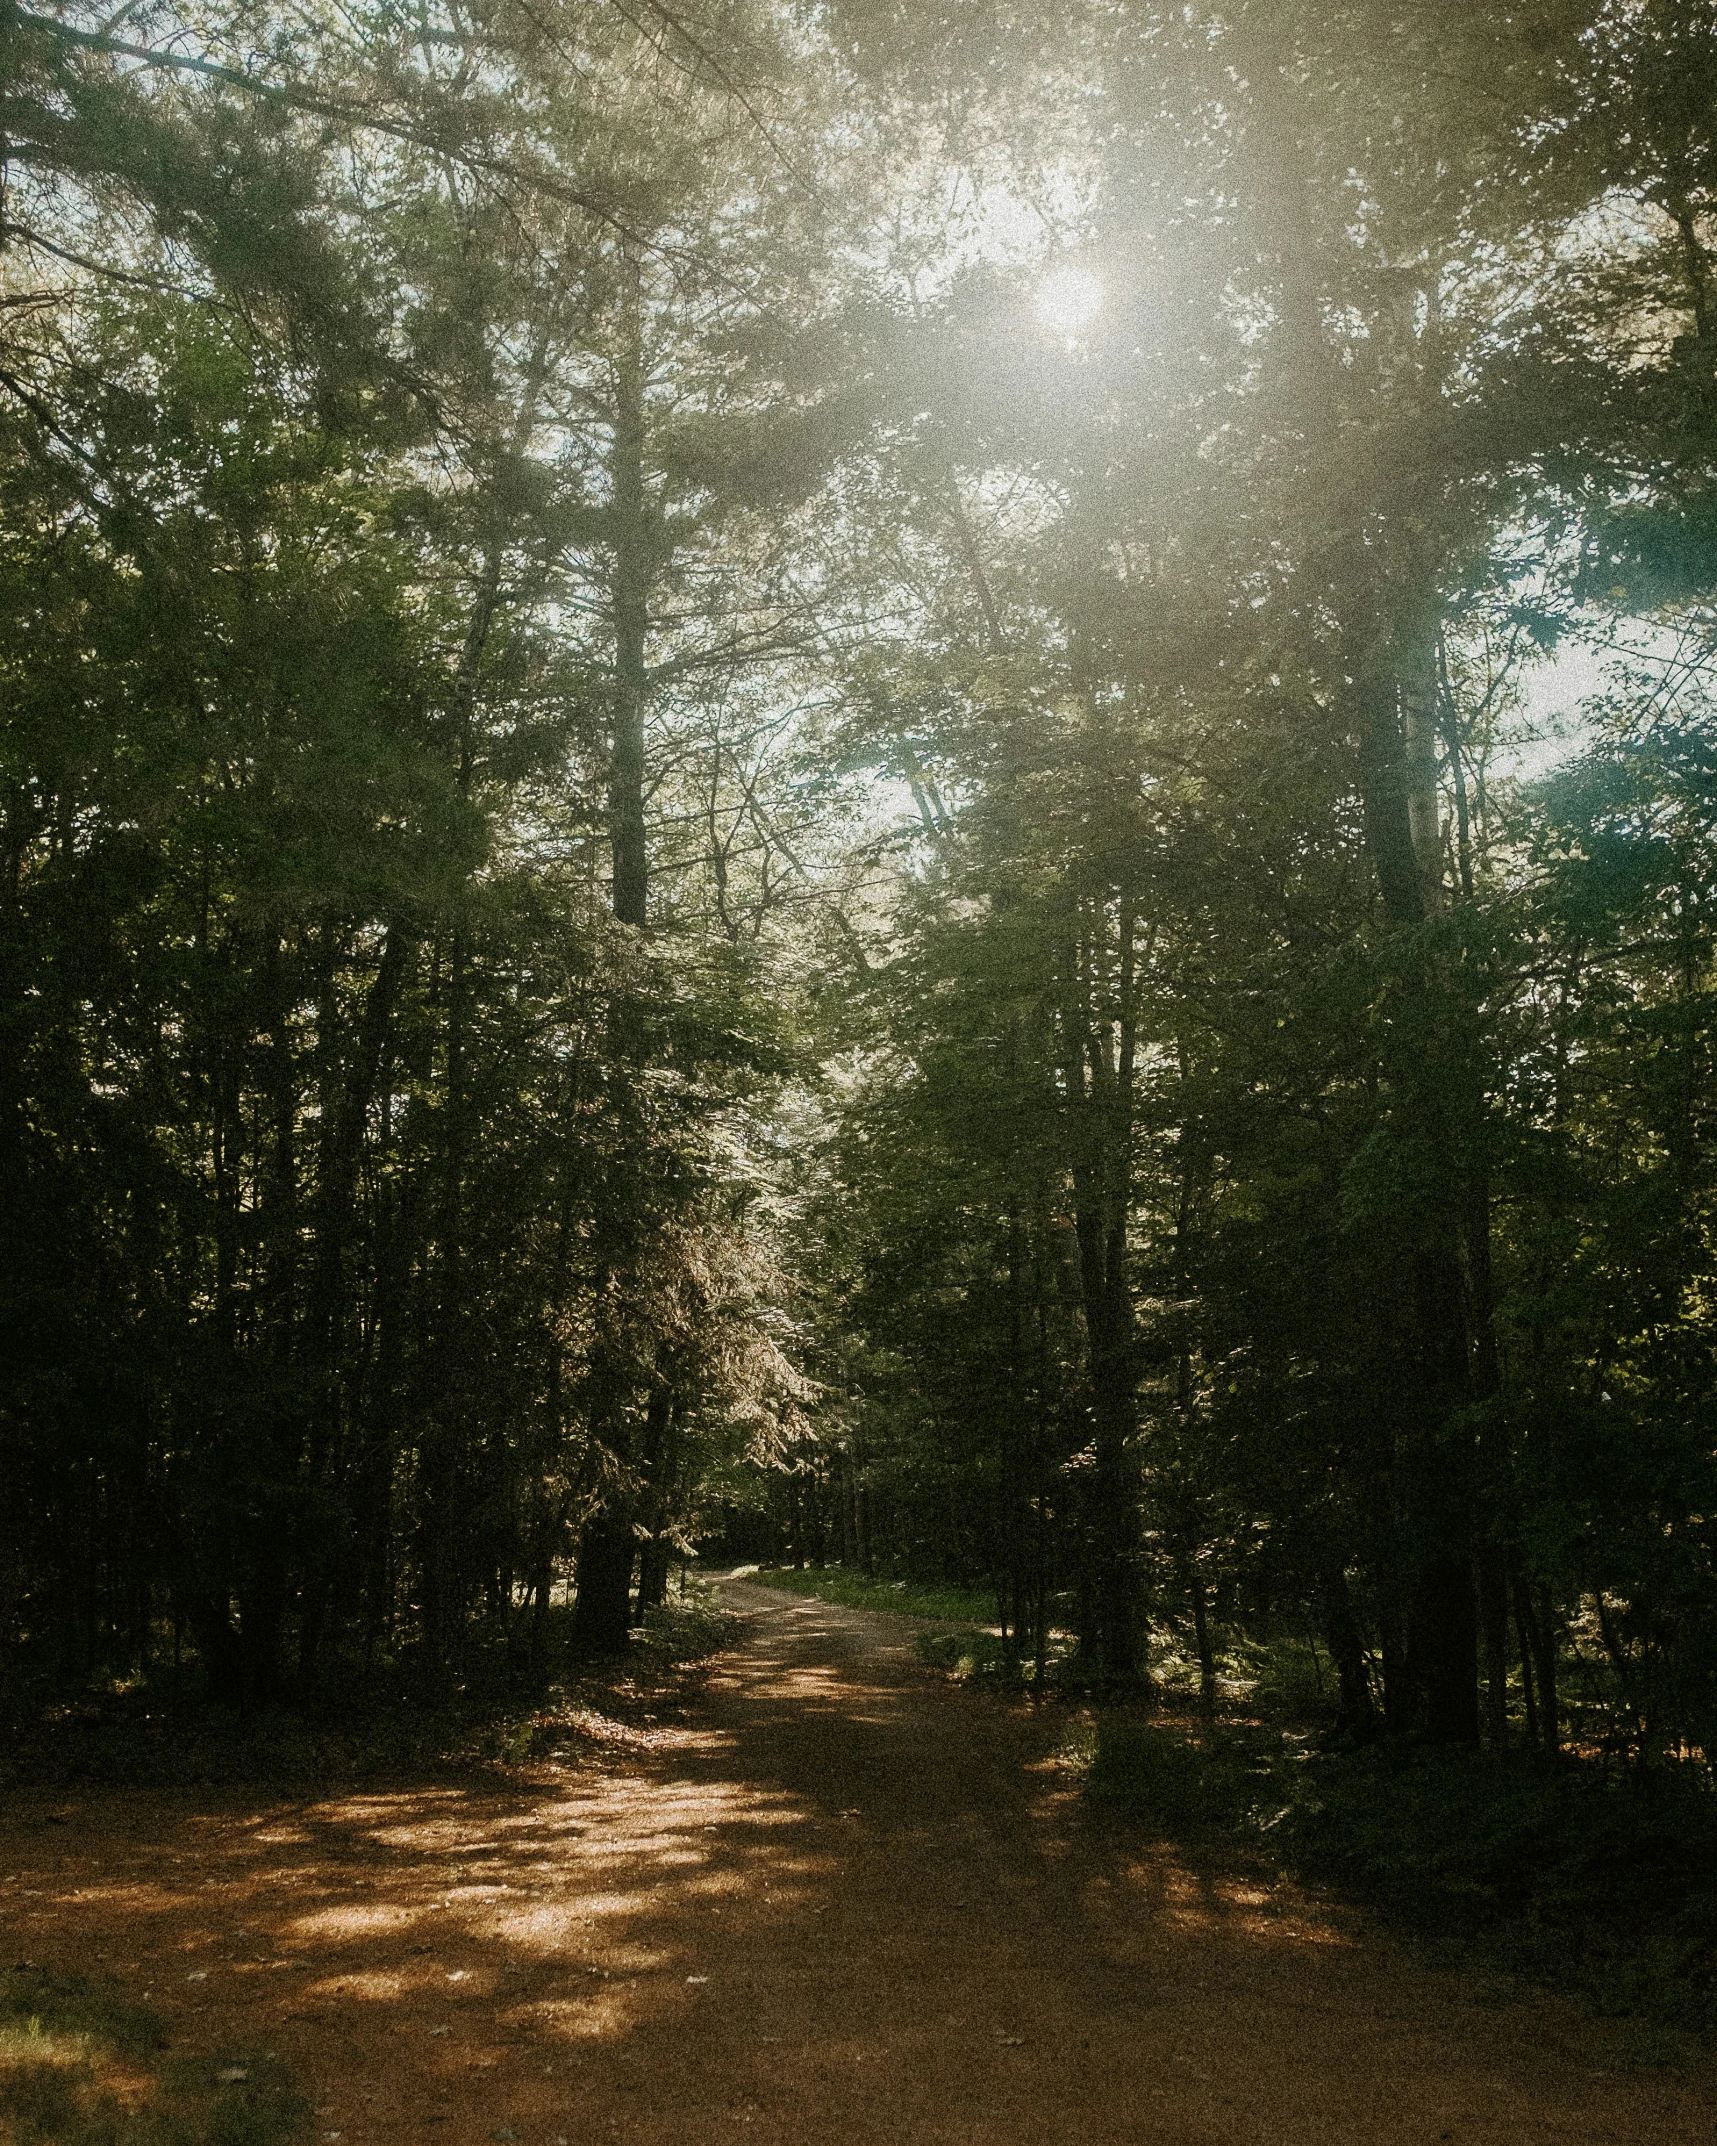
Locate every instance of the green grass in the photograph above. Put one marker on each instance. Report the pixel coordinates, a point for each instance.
(965, 1655)
(1191, 1783)
(858, 1590)
(1283, 1675)
(1605, 1887)
(80, 2067)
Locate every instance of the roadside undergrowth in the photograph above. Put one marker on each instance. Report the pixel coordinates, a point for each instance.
(1568, 1875)
(1553, 1874)
(500, 1714)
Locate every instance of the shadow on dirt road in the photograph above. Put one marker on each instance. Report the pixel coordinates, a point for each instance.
(838, 1901)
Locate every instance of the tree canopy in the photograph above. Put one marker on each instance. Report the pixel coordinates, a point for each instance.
(932, 785)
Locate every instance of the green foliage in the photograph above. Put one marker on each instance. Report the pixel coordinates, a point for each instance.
(1272, 1181)
(368, 1183)
(666, 870)
(1191, 1784)
(966, 1656)
(1546, 1871)
(691, 1627)
(509, 1707)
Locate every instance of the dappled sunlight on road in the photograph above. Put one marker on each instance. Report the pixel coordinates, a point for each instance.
(1164, 1888)
(476, 1923)
(844, 1898)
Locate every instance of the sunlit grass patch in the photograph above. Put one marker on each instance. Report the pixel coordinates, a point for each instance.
(80, 2066)
(964, 1654)
(853, 1589)
(984, 1658)
(1282, 1675)
(36, 2010)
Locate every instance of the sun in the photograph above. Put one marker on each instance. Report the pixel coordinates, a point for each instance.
(1069, 300)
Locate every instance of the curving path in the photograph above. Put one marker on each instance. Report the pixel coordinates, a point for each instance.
(837, 1901)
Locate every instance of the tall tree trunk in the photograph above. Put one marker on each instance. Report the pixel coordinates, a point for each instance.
(1100, 1079)
(444, 1581)
(632, 549)
(1538, 1629)
(1397, 766)
(1201, 1637)
(1356, 1717)
(347, 1099)
(607, 1550)
(608, 1544)
(1112, 1521)
(660, 1457)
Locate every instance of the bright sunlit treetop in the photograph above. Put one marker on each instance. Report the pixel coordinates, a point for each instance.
(1069, 300)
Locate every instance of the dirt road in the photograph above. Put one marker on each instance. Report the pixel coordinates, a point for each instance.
(840, 1902)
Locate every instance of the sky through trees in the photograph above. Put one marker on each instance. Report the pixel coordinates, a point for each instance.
(924, 784)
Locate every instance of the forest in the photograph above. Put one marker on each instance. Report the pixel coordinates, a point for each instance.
(921, 784)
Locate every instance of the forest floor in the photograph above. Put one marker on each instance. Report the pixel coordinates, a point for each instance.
(828, 1896)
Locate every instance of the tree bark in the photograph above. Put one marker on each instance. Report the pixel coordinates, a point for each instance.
(1100, 1081)
(1356, 1717)
(607, 1549)
(660, 1457)
(632, 554)
(1397, 766)
(608, 1545)
(1201, 1639)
